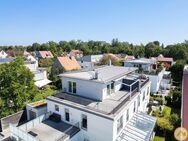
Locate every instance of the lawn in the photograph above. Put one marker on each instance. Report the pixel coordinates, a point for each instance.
(157, 138)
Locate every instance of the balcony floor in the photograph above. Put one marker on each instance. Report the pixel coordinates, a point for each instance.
(49, 130)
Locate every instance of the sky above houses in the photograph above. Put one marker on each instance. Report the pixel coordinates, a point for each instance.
(23, 22)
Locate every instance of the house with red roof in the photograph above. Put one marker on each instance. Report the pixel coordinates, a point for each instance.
(44, 54)
(65, 63)
(167, 62)
(76, 53)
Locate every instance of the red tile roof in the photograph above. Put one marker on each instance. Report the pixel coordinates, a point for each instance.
(46, 54)
(76, 51)
(69, 63)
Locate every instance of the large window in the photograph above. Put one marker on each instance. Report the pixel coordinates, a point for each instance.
(84, 122)
(67, 116)
(143, 98)
(134, 109)
(57, 108)
(72, 87)
(119, 124)
(110, 88)
(127, 118)
(138, 100)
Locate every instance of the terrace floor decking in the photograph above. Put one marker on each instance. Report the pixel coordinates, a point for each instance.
(50, 130)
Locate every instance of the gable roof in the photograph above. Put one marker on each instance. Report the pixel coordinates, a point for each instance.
(46, 54)
(165, 59)
(69, 63)
(76, 51)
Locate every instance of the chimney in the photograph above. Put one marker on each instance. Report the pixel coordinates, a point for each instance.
(109, 62)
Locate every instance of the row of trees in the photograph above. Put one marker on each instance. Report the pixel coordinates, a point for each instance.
(152, 49)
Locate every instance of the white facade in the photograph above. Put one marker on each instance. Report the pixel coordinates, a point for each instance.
(156, 80)
(101, 128)
(3, 54)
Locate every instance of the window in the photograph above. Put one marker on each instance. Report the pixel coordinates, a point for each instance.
(119, 124)
(72, 87)
(108, 89)
(57, 108)
(112, 87)
(84, 122)
(143, 96)
(134, 109)
(148, 91)
(138, 101)
(67, 117)
(127, 118)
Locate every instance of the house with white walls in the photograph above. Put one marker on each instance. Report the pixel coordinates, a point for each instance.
(159, 77)
(3, 54)
(103, 104)
(40, 74)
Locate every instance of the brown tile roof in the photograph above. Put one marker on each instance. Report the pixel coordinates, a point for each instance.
(69, 63)
(46, 54)
(165, 59)
(76, 51)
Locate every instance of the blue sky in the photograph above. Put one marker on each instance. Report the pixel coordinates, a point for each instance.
(23, 22)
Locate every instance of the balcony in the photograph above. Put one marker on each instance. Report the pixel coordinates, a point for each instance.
(40, 128)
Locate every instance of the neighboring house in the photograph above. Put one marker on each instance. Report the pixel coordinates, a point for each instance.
(142, 63)
(167, 62)
(63, 64)
(184, 111)
(3, 54)
(44, 54)
(106, 104)
(89, 61)
(31, 62)
(76, 53)
(160, 79)
(129, 57)
(40, 74)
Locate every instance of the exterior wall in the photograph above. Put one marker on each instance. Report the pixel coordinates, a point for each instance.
(39, 111)
(85, 64)
(144, 66)
(143, 104)
(32, 66)
(92, 58)
(156, 81)
(98, 128)
(40, 75)
(3, 54)
(57, 67)
(84, 88)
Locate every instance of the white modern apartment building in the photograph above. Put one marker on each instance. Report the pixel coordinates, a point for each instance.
(160, 79)
(104, 104)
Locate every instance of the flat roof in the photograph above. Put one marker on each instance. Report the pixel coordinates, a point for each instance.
(108, 108)
(38, 104)
(105, 74)
(49, 130)
(143, 61)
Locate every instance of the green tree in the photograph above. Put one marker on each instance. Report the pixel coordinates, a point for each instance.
(17, 87)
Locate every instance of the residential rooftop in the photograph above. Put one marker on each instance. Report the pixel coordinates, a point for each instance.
(103, 74)
(108, 108)
(143, 61)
